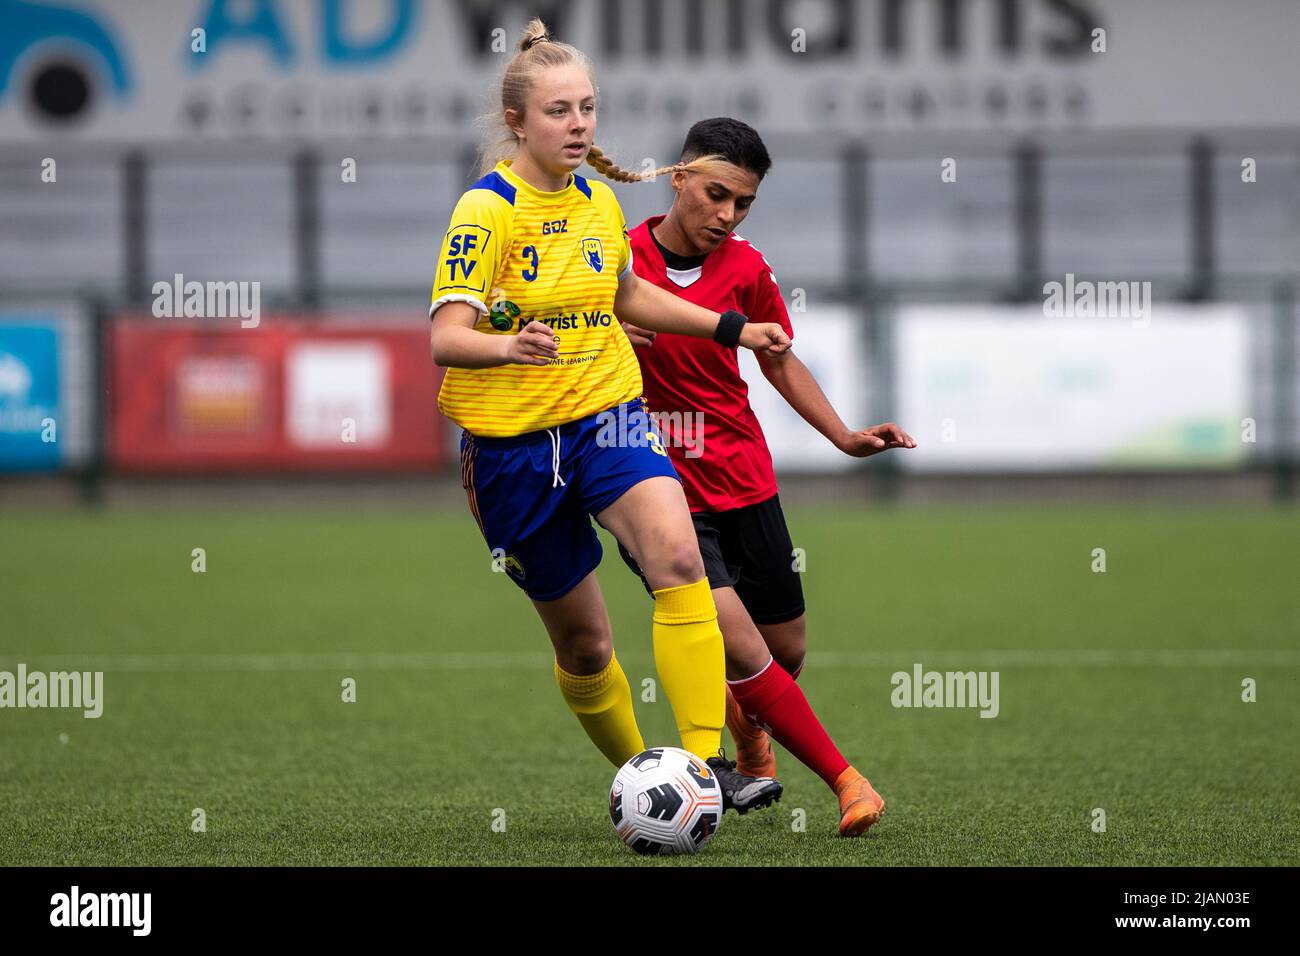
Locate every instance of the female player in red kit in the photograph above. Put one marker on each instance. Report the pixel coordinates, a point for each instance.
(726, 472)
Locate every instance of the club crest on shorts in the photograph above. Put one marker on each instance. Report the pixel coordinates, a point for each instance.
(513, 567)
(593, 253)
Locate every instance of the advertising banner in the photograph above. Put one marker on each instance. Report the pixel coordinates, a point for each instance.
(46, 405)
(343, 394)
(29, 396)
(830, 341)
(330, 69)
(1007, 387)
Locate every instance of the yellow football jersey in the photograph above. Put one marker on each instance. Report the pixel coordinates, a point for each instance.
(516, 254)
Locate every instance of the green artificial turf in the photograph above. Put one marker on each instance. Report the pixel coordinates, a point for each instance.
(1118, 690)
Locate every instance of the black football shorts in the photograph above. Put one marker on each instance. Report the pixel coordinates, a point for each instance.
(748, 549)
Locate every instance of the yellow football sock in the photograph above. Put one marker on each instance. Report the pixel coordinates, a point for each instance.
(691, 664)
(603, 704)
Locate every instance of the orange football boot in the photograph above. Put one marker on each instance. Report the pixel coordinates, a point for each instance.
(860, 805)
(753, 746)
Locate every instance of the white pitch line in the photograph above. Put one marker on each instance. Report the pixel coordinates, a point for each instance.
(528, 660)
(276, 662)
(1263, 657)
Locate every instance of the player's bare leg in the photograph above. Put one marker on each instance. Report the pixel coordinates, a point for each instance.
(653, 522)
(788, 642)
(590, 678)
(579, 628)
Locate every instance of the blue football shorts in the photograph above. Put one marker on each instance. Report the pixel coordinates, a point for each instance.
(534, 495)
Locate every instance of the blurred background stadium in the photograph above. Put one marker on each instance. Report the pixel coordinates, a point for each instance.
(936, 164)
(915, 298)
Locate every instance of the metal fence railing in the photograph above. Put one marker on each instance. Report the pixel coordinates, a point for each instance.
(845, 216)
(861, 221)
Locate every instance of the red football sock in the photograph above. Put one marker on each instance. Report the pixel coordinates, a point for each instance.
(772, 698)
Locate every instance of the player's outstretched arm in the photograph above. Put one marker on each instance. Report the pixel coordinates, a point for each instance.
(647, 306)
(455, 343)
(795, 382)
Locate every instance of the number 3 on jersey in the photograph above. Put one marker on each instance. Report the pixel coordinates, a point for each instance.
(530, 273)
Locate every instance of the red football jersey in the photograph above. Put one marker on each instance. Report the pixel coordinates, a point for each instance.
(694, 384)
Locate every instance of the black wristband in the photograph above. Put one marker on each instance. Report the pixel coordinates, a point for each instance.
(728, 331)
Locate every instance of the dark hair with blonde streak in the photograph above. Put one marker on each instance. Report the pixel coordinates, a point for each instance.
(536, 53)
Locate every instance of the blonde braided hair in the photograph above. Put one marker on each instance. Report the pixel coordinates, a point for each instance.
(598, 161)
(538, 51)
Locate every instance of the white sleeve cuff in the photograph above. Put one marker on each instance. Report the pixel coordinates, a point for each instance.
(627, 268)
(457, 297)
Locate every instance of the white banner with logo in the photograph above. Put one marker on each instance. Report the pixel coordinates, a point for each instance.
(829, 340)
(1009, 388)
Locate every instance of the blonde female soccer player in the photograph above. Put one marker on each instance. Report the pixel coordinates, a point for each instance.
(534, 275)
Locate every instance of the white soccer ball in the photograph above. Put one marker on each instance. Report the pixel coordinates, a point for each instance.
(665, 800)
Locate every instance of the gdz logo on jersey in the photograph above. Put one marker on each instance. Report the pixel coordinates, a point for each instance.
(593, 253)
(465, 245)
